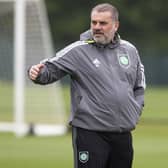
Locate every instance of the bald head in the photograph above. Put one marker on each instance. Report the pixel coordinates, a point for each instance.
(106, 7)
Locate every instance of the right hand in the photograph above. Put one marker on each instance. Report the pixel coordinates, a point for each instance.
(35, 71)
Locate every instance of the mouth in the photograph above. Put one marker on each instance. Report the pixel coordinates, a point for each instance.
(98, 34)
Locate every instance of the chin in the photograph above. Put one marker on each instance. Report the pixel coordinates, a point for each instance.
(99, 40)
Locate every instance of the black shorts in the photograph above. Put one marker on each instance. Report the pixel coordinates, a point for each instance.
(93, 149)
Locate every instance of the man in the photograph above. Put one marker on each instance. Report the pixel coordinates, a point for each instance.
(107, 91)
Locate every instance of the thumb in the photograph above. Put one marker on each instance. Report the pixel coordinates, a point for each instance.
(40, 66)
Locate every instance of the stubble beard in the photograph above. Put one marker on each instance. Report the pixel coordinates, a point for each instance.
(102, 38)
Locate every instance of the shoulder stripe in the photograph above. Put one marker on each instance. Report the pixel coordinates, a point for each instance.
(124, 42)
(64, 51)
(143, 82)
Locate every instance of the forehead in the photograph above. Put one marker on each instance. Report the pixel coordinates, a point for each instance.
(95, 15)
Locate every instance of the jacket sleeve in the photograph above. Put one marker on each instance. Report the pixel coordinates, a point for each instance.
(49, 74)
(57, 67)
(140, 84)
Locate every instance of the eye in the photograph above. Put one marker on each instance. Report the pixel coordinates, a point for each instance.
(103, 23)
(94, 22)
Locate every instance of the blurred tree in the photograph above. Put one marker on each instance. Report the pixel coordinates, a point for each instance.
(68, 19)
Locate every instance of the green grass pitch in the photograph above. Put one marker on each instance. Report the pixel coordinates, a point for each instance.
(150, 138)
(150, 150)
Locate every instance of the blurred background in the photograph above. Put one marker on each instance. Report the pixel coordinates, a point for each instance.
(142, 23)
(60, 22)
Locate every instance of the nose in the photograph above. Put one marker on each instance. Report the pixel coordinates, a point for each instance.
(97, 26)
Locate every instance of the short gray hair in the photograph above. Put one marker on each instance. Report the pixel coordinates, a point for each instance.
(106, 7)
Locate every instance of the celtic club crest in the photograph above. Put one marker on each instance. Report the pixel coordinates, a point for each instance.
(124, 60)
(83, 156)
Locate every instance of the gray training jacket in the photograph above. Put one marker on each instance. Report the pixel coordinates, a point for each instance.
(107, 83)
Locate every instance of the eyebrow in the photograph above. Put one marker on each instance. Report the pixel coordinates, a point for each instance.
(101, 22)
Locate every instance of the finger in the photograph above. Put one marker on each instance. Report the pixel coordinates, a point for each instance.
(37, 68)
(40, 66)
(34, 71)
(33, 77)
(33, 74)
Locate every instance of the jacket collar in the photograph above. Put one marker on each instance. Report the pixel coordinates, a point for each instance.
(86, 36)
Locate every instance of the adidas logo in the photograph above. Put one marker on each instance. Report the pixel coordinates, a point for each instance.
(96, 62)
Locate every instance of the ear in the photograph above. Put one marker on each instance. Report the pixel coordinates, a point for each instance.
(116, 26)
